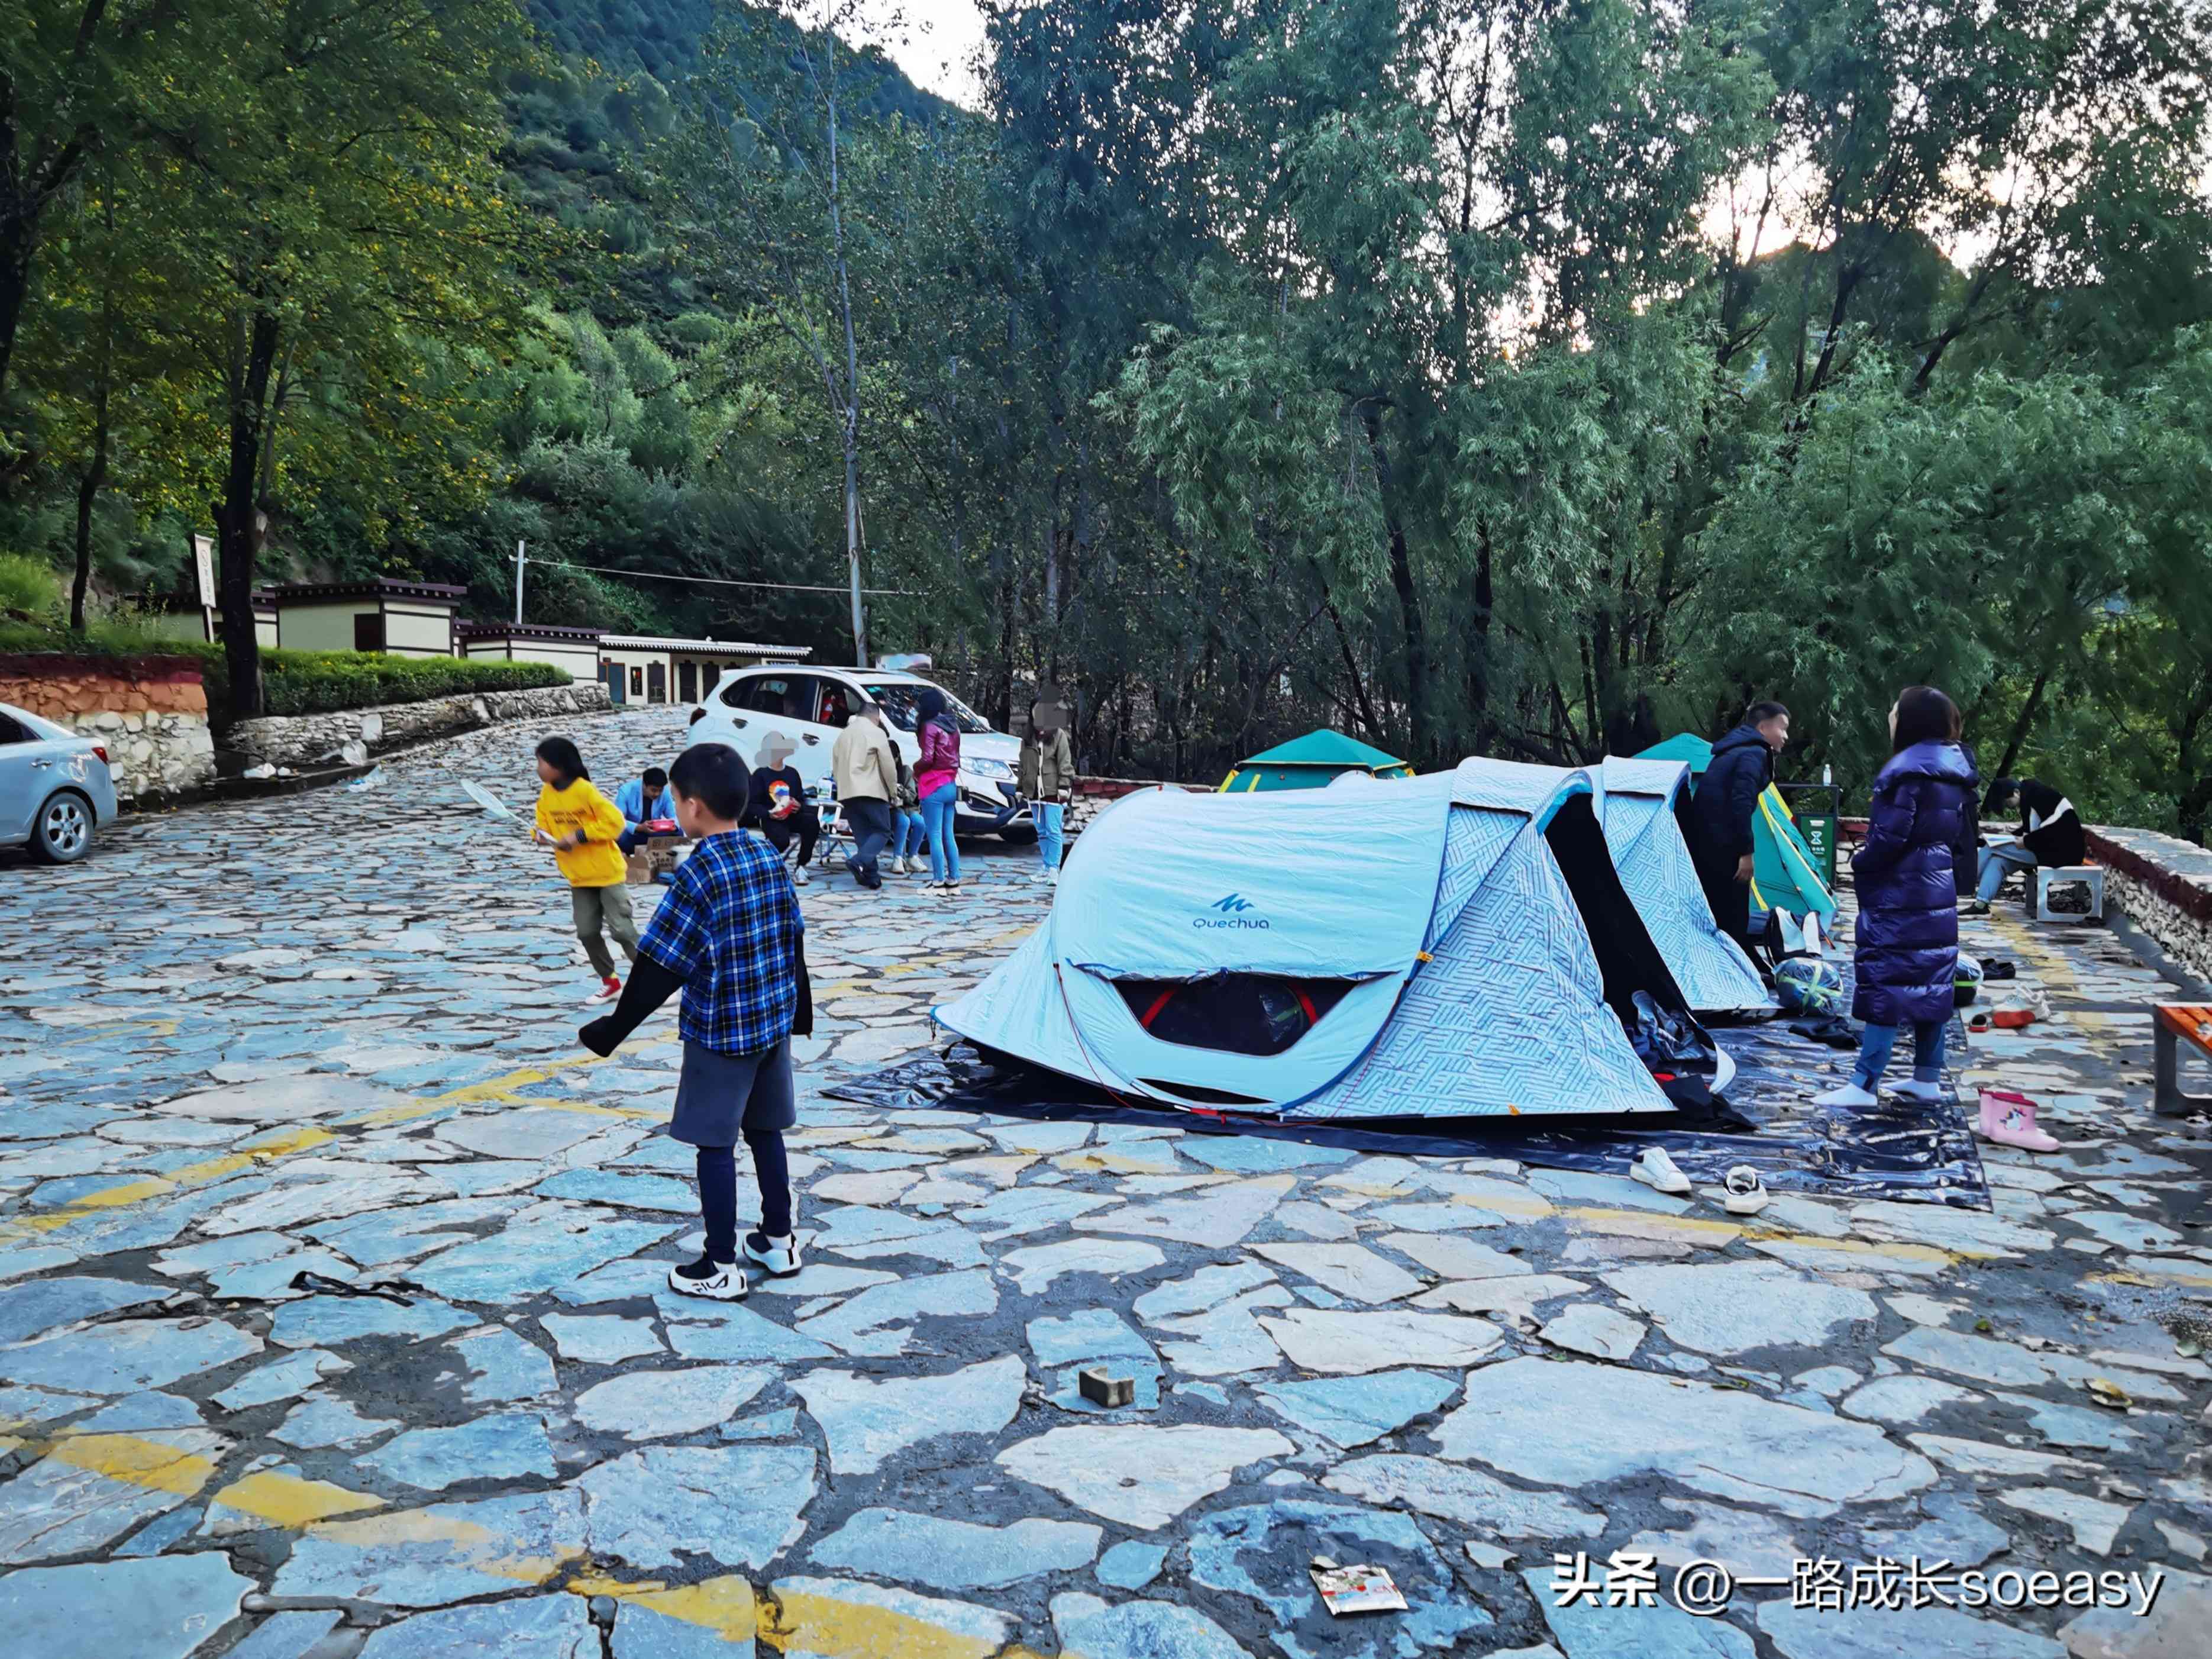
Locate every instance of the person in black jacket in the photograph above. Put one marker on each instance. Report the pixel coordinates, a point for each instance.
(1725, 807)
(2050, 833)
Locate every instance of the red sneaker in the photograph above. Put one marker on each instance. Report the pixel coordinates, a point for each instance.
(606, 993)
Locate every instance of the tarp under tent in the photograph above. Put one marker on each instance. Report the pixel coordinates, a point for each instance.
(1644, 802)
(1783, 876)
(1320, 757)
(1456, 945)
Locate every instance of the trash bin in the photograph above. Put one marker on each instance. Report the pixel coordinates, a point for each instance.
(1819, 809)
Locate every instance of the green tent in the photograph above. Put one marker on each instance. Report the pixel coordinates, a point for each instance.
(1319, 757)
(1783, 875)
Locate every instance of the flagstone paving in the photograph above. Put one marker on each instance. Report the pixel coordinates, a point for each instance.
(333, 1316)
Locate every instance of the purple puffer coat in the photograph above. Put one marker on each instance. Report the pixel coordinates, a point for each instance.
(1919, 831)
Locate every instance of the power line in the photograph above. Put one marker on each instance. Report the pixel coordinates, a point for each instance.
(721, 581)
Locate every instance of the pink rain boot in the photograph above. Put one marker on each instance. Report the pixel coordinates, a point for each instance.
(2008, 1119)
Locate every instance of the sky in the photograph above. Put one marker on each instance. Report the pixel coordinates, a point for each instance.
(934, 41)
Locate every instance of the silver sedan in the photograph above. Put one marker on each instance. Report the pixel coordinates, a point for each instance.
(55, 788)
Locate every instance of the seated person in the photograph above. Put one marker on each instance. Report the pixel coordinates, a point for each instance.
(778, 807)
(2050, 833)
(630, 800)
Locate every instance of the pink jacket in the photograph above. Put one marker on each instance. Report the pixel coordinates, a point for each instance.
(940, 755)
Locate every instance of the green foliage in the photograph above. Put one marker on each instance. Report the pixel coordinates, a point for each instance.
(1519, 377)
(325, 682)
(29, 590)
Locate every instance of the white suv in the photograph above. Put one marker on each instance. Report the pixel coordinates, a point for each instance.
(759, 711)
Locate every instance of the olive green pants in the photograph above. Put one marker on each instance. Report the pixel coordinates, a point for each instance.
(608, 908)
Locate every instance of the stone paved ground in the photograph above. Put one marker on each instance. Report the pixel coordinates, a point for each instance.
(334, 1035)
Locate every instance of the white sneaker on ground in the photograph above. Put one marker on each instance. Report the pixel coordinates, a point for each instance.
(780, 1256)
(1924, 1094)
(722, 1281)
(1850, 1095)
(799, 875)
(1053, 877)
(898, 866)
(1658, 1171)
(1042, 877)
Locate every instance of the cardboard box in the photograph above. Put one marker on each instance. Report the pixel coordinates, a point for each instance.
(657, 857)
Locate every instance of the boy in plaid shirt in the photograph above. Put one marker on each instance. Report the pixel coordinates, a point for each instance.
(729, 933)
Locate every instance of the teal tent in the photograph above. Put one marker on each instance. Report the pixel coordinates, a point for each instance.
(1783, 876)
(1317, 759)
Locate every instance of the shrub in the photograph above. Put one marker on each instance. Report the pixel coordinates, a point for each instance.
(325, 682)
(29, 586)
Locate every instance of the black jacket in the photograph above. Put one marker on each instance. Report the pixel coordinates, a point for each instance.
(2056, 840)
(1727, 801)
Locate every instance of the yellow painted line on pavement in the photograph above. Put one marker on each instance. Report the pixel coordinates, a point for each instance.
(727, 1606)
(286, 1145)
(290, 1501)
(833, 1628)
(135, 1461)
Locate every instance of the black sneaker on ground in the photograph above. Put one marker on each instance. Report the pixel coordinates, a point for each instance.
(779, 1255)
(723, 1281)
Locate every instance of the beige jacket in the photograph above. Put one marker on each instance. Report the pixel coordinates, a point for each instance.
(862, 762)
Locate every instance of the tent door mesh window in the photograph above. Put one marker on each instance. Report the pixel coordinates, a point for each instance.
(1231, 1013)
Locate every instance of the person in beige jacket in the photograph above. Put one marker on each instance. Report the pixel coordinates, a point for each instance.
(866, 774)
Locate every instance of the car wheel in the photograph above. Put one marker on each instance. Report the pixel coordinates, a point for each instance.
(1019, 835)
(63, 832)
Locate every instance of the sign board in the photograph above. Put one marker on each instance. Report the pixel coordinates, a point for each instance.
(204, 569)
(1818, 808)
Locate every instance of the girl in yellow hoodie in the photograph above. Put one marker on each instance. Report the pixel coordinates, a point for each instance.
(582, 825)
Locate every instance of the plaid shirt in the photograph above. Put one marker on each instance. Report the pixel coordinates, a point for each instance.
(731, 926)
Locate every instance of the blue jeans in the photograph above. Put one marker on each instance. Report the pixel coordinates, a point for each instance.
(1877, 1042)
(1997, 863)
(1047, 814)
(937, 811)
(906, 832)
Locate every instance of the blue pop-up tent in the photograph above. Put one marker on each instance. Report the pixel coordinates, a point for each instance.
(1454, 945)
(1643, 800)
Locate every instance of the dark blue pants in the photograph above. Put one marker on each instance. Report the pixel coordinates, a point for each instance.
(718, 1191)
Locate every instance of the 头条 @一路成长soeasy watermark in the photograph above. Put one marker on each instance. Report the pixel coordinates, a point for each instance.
(1629, 1578)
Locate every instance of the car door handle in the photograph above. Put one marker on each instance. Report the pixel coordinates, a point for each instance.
(40, 766)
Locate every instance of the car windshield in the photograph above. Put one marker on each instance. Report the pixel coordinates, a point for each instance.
(898, 698)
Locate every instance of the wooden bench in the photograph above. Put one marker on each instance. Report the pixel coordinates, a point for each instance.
(2171, 1025)
(2042, 878)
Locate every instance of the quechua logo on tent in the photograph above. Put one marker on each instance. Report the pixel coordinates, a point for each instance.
(1229, 907)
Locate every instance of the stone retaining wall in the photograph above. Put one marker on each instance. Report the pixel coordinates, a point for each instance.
(149, 712)
(2165, 885)
(300, 739)
(1094, 795)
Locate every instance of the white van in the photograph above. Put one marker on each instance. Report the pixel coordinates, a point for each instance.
(759, 711)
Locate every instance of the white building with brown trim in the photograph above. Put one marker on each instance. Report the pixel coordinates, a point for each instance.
(391, 614)
(648, 668)
(573, 650)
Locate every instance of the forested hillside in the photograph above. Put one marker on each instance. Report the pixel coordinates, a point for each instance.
(1527, 378)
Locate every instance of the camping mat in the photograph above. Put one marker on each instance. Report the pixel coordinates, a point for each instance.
(1899, 1151)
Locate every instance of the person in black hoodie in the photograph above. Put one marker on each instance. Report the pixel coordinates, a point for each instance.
(1725, 807)
(2050, 833)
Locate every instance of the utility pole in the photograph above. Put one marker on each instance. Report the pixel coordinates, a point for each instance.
(519, 563)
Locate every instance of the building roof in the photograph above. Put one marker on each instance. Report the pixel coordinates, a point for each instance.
(371, 587)
(704, 647)
(504, 630)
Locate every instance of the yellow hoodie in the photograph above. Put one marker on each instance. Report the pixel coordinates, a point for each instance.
(598, 862)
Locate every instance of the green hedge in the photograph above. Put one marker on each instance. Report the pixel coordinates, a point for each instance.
(292, 682)
(324, 682)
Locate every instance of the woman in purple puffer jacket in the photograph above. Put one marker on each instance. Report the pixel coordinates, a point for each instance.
(1919, 834)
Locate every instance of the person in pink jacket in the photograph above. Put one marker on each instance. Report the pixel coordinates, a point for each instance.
(936, 775)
